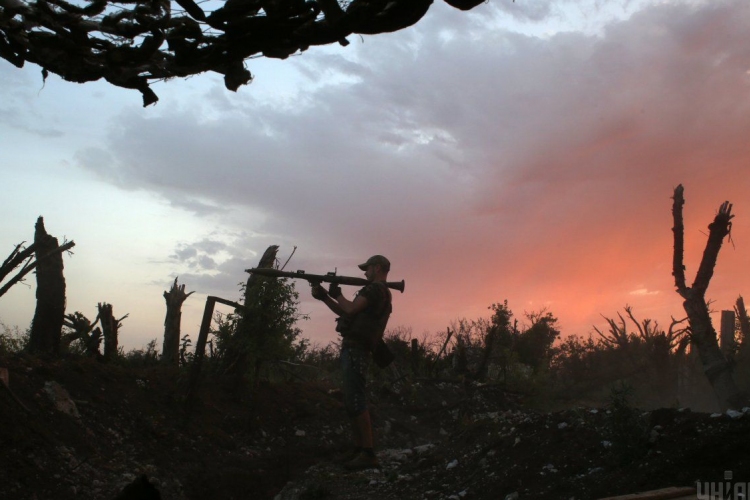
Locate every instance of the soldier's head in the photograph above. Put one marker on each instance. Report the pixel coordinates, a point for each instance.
(376, 268)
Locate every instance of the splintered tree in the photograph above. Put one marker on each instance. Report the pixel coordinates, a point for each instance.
(131, 43)
(46, 327)
(27, 258)
(174, 297)
(110, 330)
(717, 368)
(85, 332)
(250, 330)
(744, 325)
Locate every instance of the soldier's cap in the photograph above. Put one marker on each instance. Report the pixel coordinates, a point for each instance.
(377, 260)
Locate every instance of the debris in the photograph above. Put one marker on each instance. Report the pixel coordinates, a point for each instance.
(420, 450)
(61, 399)
(5, 379)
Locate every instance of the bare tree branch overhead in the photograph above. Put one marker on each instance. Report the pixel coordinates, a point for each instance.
(131, 43)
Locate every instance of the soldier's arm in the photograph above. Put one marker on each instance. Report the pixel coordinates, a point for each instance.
(333, 305)
(350, 307)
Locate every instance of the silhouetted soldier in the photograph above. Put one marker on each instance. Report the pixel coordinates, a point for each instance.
(361, 323)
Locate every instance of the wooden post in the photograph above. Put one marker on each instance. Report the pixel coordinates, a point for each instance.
(448, 336)
(415, 357)
(200, 345)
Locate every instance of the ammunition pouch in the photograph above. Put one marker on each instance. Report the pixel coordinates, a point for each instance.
(343, 325)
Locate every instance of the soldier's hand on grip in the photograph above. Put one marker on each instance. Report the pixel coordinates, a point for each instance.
(319, 292)
(334, 290)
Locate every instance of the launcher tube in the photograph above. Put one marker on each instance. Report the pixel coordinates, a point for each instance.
(316, 279)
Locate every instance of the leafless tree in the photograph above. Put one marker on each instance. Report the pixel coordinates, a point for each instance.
(649, 332)
(717, 368)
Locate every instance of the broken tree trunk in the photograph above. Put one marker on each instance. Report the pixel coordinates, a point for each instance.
(171, 348)
(726, 335)
(17, 258)
(110, 329)
(239, 366)
(742, 318)
(702, 333)
(46, 327)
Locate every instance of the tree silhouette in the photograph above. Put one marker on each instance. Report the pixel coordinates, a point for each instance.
(717, 367)
(130, 43)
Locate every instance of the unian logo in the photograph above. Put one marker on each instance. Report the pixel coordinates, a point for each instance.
(723, 490)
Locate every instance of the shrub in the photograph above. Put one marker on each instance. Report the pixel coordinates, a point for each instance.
(12, 339)
(264, 330)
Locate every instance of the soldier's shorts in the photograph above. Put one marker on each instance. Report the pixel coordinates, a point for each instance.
(355, 363)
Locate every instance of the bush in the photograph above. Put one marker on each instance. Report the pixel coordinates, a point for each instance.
(12, 339)
(263, 331)
(147, 356)
(628, 432)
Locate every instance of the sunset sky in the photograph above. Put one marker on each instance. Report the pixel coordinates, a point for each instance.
(524, 151)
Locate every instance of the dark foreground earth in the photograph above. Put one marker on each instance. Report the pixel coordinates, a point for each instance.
(80, 429)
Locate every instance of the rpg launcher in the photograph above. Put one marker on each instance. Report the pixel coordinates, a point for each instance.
(317, 279)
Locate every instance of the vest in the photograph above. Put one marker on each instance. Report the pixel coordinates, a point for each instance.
(366, 328)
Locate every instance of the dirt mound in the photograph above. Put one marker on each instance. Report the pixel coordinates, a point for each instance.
(80, 429)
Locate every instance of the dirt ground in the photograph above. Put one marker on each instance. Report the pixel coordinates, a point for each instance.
(81, 429)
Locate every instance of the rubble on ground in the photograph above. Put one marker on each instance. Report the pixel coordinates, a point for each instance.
(87, 430)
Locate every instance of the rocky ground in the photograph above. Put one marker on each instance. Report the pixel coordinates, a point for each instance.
(80, 429)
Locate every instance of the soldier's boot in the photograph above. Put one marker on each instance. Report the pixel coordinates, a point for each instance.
(347, 456)
(364, 460)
